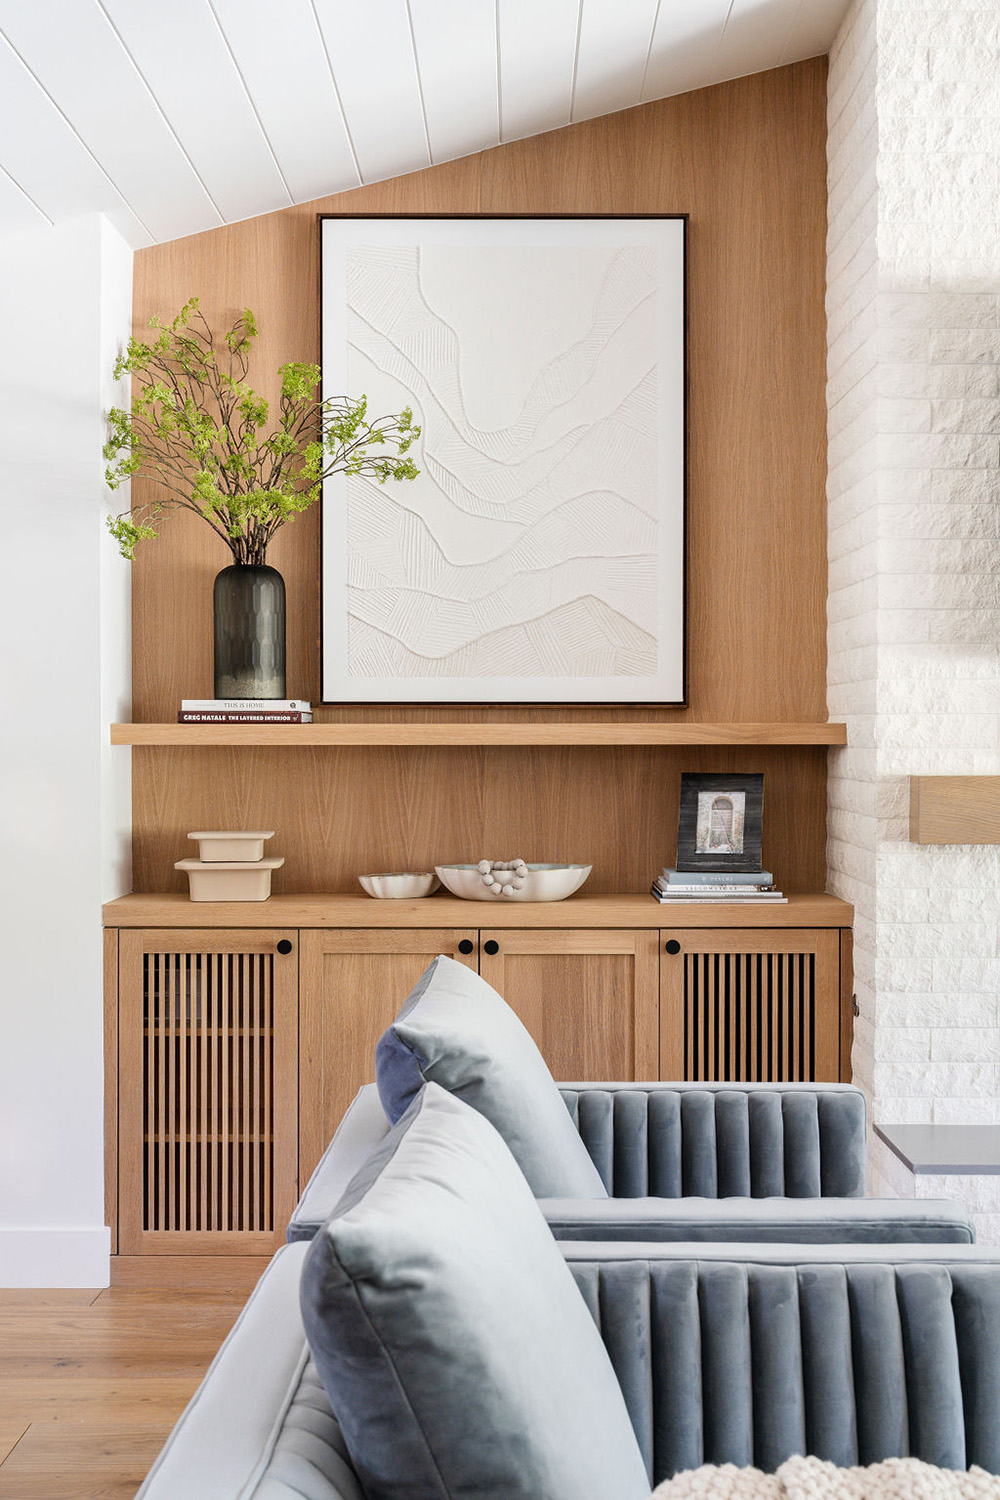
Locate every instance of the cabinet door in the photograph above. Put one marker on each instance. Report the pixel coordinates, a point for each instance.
(750, 1006)
(588, 997)
(208, 1098)
(354, 981)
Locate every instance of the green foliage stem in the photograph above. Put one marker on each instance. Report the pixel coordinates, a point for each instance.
(200, 432)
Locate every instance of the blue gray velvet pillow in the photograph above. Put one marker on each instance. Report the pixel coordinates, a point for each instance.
(457, 1353)
(456, 1031)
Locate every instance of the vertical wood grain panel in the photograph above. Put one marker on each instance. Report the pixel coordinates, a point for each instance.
(353, 983)
(746, 161)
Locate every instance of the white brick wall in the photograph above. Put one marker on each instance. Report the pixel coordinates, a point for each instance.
(913, 301)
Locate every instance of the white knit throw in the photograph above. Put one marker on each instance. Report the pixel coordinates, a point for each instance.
(815, 1479)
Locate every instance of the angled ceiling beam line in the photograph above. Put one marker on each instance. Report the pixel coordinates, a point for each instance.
(791, 32)
(649, 52)
(336, 90)
(77, 136)
(725, 24)
(251, 102)
(160, 110)
(576, 61)
(28, 198)
(420, 83)
(496, 34)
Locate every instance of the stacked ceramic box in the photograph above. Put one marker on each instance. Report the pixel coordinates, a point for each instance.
(230, 866)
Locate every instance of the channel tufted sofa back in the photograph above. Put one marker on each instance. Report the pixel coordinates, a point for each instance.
(745, 1362)
(756, 1141)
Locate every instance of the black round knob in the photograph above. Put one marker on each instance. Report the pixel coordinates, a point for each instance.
(284, 946)
(672, 945)
(491, 947)
(466, 945)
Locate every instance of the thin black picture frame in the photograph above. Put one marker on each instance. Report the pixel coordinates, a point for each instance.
(718, 784)
(683, 700)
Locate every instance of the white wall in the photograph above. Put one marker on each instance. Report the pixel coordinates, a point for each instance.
(65, 296)
(915, 553)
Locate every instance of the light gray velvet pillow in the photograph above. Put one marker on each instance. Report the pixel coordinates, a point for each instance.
(458, 1355)
(456, 1031)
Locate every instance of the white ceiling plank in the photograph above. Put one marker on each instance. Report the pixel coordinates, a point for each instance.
(537, 64)
(180, 52)
(371, 53)
(130, 139)
(48, 161)
(814, 29)
(611, 60)
(284, 67)
(457, 61)
(754, 38)
(685, 46)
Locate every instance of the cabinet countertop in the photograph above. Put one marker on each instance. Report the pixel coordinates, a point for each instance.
(174, 909)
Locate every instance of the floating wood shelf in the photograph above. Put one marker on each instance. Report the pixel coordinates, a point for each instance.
(175, 910)
(955, 809)
(447, 734)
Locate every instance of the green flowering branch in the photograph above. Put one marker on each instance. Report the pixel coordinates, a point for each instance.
(200, 432)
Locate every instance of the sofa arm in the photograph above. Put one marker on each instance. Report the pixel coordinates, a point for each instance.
(250, 1431)
(816, 1221)
(361, 1132)
(720, 1140)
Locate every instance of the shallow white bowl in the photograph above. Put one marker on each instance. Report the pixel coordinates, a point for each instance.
(400, 886)
(234, 846)
(542, 883)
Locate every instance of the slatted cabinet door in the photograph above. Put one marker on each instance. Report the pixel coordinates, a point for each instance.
(207, 1122)
(588, 996)
(750, 1006)
(354, 981)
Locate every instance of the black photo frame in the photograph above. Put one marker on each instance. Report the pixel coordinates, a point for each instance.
(720, 822)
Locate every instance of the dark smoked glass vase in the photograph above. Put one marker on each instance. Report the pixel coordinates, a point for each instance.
(249, 632)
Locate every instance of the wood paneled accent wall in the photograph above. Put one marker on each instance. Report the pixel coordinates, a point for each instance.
(746, 161)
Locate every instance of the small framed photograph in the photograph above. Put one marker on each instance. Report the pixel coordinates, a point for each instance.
(720, 822)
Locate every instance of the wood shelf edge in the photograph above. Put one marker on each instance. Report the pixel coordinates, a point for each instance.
(175, 910)
(292, 736)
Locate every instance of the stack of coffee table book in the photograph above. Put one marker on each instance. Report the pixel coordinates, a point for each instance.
(719, 887)
(245, 711)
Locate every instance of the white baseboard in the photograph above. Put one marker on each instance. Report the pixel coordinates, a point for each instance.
(55, 1257)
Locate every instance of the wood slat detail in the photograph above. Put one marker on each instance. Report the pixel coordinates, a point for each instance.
(749, 1018)
(208, 1114)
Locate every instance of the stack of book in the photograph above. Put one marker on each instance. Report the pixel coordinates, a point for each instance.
(723, 887)
(244, 711)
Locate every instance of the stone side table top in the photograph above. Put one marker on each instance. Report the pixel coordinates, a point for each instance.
(940, 1150)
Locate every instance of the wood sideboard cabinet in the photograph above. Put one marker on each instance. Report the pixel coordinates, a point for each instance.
(233, 1048)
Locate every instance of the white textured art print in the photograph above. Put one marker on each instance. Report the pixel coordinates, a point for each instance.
(539, 554)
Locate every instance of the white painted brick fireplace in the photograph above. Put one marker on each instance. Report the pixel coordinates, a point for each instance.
(913, 301)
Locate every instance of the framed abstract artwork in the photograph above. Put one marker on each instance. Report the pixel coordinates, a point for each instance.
(539, 555)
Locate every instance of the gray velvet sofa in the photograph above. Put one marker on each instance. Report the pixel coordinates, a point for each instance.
(741, 1353)
(694, 1162)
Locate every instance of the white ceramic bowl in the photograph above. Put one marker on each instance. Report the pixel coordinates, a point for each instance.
(400, 886)
(543, 882)
(232, 847)
(231, 880)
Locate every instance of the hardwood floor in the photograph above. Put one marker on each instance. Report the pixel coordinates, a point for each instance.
(91, 1382)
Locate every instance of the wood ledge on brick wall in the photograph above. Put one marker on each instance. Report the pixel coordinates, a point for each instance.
(955, 809)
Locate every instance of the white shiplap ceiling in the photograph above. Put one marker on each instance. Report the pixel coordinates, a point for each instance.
(175, 117)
